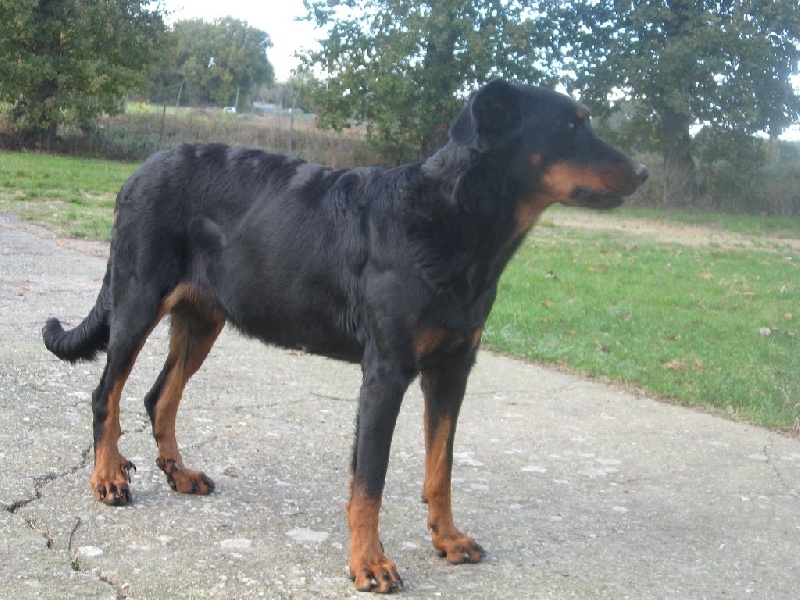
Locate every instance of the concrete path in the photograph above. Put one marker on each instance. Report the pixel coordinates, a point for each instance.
(576, 490)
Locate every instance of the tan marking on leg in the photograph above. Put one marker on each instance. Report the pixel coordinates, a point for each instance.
(447, 539)
(429, 341)
(110, 477)
(187, 353)
(369, 567)
(475, 337)
(106, 454)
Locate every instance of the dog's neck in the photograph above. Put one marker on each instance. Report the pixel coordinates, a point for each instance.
(448, 163)
(452, 163)
(466, 234)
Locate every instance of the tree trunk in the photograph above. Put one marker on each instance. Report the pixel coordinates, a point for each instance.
(35, 126)
(680, 176)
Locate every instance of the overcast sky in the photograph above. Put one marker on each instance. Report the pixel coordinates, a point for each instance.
(276, 17)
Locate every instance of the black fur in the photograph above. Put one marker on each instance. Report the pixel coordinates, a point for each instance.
(394, 269)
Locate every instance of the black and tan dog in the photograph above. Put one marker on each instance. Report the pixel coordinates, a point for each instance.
(394, 269)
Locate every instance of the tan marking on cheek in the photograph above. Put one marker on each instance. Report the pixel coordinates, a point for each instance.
(536, 160)
(560, 180)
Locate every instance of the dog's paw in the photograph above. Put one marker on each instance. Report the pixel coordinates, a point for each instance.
(378, 575)
(110, 484)
(186, 481)
(458, 548)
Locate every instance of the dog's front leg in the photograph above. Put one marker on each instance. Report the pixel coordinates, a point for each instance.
(444, 381)
(379, 404)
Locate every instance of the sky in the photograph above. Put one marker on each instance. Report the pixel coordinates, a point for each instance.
(276, 17)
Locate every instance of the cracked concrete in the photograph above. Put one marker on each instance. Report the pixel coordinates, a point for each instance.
(577, 490)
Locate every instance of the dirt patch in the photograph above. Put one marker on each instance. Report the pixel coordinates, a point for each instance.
(90, 247)
(675, 233)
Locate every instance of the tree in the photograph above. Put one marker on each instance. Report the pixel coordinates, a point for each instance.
(724, 65)
(65, 61)
(403, 66)
(213, 63)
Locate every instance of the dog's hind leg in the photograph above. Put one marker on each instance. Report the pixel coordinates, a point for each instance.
(195, 325)
(129, 330)
(444, 381)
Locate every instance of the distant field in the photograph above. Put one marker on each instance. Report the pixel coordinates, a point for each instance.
(144, 129)
(705, 312)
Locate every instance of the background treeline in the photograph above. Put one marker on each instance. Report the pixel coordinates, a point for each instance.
(210, 64)
(700, 90)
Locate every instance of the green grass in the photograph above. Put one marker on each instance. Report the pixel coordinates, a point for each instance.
(75, 196)
(680, 322)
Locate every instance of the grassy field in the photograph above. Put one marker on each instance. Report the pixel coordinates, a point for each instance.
(72, 195)
(703, 326)
(706, 326)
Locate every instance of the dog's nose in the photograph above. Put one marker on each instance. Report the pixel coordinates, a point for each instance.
(642, 173)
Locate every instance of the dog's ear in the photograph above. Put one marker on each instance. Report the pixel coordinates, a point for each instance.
(492, 114)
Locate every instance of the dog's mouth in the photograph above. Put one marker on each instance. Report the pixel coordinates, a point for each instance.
(581, 196)
(576, 185)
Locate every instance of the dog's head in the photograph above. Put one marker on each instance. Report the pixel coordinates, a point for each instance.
(548, 146)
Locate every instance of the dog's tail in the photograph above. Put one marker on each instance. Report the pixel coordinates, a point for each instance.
(87, 339)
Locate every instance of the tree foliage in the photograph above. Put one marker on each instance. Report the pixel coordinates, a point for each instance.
(66, 61)
(402, 65)
(678, 64)
(209, 63)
